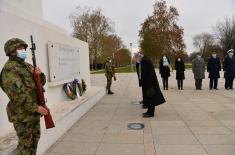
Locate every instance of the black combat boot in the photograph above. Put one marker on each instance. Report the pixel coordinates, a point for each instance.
(110, 92)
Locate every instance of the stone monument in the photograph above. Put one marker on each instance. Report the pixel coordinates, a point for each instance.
(61, 57)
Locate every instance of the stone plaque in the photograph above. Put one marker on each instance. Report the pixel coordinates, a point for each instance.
(64, 62)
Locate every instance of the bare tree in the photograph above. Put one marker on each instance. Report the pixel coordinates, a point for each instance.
(225, 33)
(204, 43)
(91, 26)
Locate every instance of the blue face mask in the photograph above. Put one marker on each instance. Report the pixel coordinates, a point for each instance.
(22, 54)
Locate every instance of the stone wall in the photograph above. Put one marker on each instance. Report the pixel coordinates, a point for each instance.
(17, 23)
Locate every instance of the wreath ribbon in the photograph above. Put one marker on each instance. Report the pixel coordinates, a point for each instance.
(74, 89)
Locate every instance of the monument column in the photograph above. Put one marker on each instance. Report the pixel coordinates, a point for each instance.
(33, 7)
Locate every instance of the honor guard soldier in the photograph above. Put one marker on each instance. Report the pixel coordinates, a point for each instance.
(17, 81)
(109, 73)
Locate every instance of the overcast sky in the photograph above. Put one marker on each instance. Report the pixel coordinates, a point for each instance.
(196, 16)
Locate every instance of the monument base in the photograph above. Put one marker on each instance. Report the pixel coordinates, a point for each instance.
(64, 115)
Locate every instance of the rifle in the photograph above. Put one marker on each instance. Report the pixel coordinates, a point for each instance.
(40, 94)
(113, 70)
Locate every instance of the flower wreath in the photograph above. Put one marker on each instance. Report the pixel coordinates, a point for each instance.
(77, 87)
(68, 89)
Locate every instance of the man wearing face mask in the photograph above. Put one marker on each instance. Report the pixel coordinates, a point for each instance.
(229, 69)
(164, 70)
(198, 68)
(17, 81)
(109, 74)
(213, 68)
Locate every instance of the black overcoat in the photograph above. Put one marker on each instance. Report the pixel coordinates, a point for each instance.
(229, 67)
(164, 70)
(149, 82)
(214, 67)
(180, 68)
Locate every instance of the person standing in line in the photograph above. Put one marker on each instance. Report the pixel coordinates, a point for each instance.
(109, 74)
(198, 68)
(138, 70)
(152, 95)
(164, 70)
(17, 81)
(213, 68)
(229, 69)
(180, 68)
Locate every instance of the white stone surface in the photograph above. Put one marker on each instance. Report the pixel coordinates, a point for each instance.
(64, 117)
(26, 6)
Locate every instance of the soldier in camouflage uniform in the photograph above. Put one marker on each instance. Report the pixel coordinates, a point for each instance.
(17, 81)
(109, 75)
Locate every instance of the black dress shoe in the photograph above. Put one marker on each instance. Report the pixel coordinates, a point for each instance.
(110, 93)
(141, 102)
(147, 115)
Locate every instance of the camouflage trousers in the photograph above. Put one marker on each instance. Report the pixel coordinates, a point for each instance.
(109, 83)
(28, 136)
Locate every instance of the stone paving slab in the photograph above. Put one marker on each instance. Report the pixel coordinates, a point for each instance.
(190, 122)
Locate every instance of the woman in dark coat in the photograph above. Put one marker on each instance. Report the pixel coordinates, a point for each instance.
(152, 95)
(180, 68)
(164, 70)
(213, 68)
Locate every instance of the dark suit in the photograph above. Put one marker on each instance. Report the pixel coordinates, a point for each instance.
(152, 95)
(137, 65)
(137, 70)
(213, 67)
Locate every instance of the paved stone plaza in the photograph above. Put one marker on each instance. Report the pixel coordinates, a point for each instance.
(190, 122)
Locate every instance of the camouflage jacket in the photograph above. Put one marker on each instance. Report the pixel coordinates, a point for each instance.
(108, 70)
(17, 81)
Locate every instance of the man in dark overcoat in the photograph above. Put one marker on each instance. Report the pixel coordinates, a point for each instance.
(229, 69)
(152, 95)
(138, 68)
(213, 68)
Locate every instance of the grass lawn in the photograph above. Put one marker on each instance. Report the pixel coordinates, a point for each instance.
(128, 69)
(117, 70)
